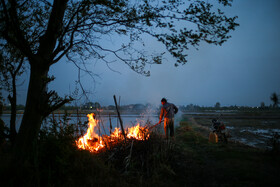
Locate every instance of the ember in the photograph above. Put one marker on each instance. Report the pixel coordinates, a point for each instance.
(93, 142)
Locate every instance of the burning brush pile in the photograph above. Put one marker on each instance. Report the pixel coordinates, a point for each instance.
(135, 150)
(95, 143)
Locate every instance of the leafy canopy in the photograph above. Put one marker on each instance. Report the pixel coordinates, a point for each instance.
(177, 24)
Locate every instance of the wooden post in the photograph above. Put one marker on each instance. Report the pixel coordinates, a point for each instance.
(120, 118)
(110, 124)
(119, 105)
(99, 131)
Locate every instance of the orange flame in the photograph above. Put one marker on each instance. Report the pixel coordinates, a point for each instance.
(90, 141)
(93, 142)
(137, 132)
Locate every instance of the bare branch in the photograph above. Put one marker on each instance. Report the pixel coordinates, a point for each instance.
(12, 32)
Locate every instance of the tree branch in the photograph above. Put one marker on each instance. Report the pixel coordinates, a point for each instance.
(48, 40)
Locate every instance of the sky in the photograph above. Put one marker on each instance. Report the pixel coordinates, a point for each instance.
(244, 71)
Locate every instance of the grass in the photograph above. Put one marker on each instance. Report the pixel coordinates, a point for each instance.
(229, 164)
(189, 160)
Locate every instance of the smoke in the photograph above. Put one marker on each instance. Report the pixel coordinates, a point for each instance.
(178, 117)
(152, 114)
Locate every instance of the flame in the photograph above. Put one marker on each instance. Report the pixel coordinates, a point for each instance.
(93, 142)
(90, 141)
(116, 133)
(137, 132)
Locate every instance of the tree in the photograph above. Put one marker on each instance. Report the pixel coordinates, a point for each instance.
(2, 125)
(274, 99)
(262, 106)
(74, 29)
(217, 105)
(12, 60)
(88, 105)
(97, 105)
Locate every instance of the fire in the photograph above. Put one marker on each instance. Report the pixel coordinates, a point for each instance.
(137, 132)
(90, 141)
(93, 142)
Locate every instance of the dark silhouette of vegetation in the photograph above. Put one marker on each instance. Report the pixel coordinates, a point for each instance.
(262, 106)
(188, 160)
(46, 32)
(3, 134)
(91, 105)
(275, 100)
(58, 162)
(12, 60)
(217, 105)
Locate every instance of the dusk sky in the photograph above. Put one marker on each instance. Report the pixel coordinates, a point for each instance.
(243, 71)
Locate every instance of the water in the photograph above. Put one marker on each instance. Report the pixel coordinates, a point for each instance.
(6, 119)
(128, 120)
(253, 136)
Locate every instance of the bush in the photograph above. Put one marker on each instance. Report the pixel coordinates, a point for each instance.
(58, 162)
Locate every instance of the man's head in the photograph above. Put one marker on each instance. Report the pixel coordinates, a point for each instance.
(163, 101)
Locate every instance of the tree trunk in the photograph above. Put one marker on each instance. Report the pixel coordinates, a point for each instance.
(33, 115)
(13, 101)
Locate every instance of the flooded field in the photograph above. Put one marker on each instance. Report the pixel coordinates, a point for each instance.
(254, 129)
(251, 130)
(128, 120)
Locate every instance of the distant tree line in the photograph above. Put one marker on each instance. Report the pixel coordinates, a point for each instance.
(145, 107)
(192, 107)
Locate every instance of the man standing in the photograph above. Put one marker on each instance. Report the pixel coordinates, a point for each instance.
(168, 110)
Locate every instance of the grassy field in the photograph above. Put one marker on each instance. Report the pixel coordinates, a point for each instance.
(188, 160)
(231, 164)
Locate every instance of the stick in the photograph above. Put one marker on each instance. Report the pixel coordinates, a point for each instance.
(110, 124)
(120, 118)
(119, 105)
(99, 131)
(155, 125)
(78, 120)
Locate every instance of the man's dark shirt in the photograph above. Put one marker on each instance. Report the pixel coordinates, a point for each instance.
(168, 110)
